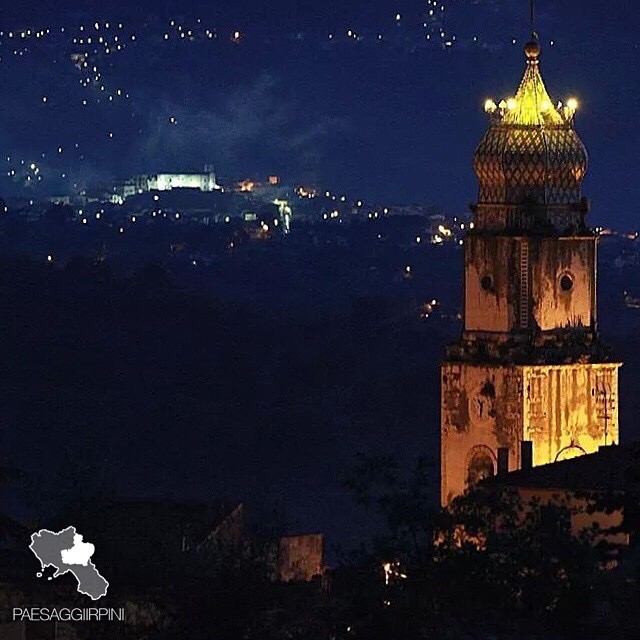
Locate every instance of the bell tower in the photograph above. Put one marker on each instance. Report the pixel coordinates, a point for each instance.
(529, 380)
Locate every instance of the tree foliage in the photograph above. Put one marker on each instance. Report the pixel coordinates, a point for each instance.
(492, 565)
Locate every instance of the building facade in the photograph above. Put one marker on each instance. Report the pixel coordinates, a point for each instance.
(529, 375)
(163, 182)
(168, 181)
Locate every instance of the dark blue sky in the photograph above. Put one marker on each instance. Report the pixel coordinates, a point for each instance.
(391, 119)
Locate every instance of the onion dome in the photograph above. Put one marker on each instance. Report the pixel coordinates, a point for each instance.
(530, 154)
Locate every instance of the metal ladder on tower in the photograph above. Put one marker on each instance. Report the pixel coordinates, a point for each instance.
(524, 284)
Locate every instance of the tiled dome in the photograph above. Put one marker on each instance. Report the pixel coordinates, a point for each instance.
(530, 153)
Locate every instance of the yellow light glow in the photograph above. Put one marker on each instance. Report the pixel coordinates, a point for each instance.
(531, 105)
(572, 103)
(490, 106)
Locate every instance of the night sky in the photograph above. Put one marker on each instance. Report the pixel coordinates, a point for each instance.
(390, 114)
(392, 118)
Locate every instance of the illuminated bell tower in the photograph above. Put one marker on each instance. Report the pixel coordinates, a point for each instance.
(529, 377)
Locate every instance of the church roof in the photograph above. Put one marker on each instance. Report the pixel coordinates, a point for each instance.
(530, 153)
(612, 468)
(532, 104)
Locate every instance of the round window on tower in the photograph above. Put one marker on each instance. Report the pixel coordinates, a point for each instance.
(487, 283)
(566, 282)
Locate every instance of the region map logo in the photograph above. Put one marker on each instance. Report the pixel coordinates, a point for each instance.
(66, 552)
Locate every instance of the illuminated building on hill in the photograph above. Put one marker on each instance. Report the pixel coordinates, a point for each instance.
(164, 182)
(529, 378)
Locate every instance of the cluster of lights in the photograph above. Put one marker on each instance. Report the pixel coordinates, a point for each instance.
(392, 571)
(30, 172)
(93, 40)
(107, 38)
(184, 32)
(428, 308)
(100, 39)
(305, 192)
(507, 105)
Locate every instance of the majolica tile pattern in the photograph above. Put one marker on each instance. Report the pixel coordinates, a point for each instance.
(530, 152)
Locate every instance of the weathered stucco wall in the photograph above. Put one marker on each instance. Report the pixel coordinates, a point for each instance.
(490, 283)
(584, 515)
(570, 409)
(301, 558)
(556, 262)
(565, 410)
(480, 411)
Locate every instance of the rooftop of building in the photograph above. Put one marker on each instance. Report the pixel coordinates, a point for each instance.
(611, 468)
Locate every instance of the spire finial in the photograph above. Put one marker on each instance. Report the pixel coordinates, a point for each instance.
(532, 49)
(532, 7)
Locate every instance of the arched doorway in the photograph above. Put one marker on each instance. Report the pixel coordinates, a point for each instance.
(570, 451)
(481, 464)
